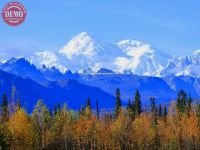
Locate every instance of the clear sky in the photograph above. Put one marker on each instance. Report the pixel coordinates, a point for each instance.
(169, 25)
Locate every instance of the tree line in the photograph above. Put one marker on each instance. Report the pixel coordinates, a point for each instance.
(176, 126)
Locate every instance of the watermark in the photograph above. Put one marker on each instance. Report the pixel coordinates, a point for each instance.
(14, 13)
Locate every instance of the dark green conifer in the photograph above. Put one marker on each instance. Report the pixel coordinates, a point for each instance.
(97, 109)
(181, 101)
(160, 111)
(88, 104)
(189, 105)
(4, 108)
(137, 103)
(118, 103)
(165, 113)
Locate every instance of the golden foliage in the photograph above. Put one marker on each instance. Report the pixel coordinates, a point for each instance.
(19, 127)
(69, 130)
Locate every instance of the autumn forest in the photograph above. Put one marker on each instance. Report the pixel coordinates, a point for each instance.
(132, 127)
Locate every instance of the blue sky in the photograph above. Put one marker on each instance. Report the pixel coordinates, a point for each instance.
(171, 26)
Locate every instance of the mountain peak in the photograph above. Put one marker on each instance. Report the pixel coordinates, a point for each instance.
(82, 44)
(88, 70)
(186, 65)
(105, 71)
(197, 52)
(129, 42)
(47, 59)
(141, 59)
(22, 68)
(20, 60)
(84, 34)
(93, 70)
(134, 48)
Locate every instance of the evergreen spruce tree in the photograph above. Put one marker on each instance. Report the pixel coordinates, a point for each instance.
(189, 105)
(160, 111)
(55, 110)
(137, 103)
(153, 105)
(97, 109)
(118, 103)
(88, 104)
(59, 109)
(181, 101)
(129, 107)
(50, 112)
(155, 119)
(88, 109)
(82, 110)
(198, 115)
(165, 113)
(4, 108)
(133, 109)
(153, 110)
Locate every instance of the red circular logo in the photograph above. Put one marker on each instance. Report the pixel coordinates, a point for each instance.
(14, 13)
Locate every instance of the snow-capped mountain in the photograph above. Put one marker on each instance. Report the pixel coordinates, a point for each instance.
(127, 56)
(96, 68)
(141, 58)
(22, 68)
(163, 88)
(188, 83)
(83, 44)
(85, 53)
(90, 70)
(105, 71)
(188, 65)
(85, 50)
(48, 59)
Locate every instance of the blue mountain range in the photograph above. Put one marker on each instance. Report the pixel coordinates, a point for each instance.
(55, 87)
